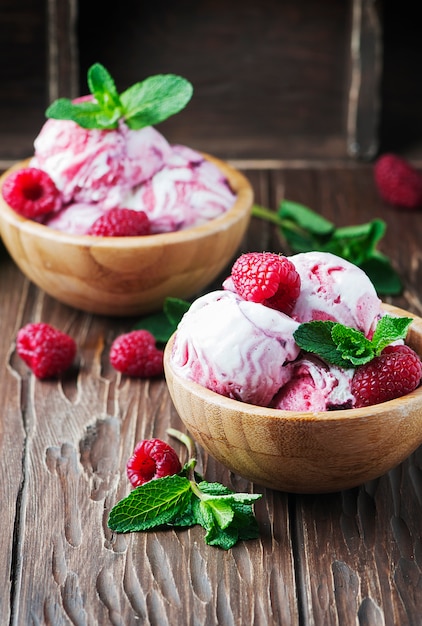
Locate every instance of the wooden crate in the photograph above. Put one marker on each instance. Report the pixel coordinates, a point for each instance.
(273, 80)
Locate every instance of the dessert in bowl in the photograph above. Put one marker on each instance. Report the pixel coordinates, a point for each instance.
(127, 275)
(312, 431)
(197, 206)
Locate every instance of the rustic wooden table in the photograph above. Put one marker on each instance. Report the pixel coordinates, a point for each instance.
(344, 558)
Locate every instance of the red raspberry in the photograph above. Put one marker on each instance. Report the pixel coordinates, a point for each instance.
(398, 182)
(31, 192)
(396, 372)
(136, 354)
(47, 351)
(152, 458)
(268, 278)
(121, 223)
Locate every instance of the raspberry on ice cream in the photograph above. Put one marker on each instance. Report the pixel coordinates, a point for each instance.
(236, 348)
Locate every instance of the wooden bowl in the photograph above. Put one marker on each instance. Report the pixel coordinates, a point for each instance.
(125, 276)
(302, 452)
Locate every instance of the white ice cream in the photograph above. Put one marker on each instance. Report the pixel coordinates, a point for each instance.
(239, 349)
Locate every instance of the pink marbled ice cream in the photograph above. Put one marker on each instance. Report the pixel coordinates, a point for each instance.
(335, 289)
(97, 170)
(239, 349)
(247, 351)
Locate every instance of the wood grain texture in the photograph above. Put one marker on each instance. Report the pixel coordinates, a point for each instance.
(344, 558)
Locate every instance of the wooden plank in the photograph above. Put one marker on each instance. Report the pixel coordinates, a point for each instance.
(351, 557)
(359, 551)
(63, 71)
(364, 107)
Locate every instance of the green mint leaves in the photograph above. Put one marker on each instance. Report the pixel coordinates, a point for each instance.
(347, 347)
(146, 103)
(164, 323)
(305, 231)
(185, 500)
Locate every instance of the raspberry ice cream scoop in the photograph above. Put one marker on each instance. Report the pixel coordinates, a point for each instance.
(186, 192)
(93, 165)
(335, 289)
(236, 348)
(315, 386)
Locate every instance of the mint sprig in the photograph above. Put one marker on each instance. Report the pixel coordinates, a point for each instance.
(164, 323)
(347, 347)
(146, 103)
(304, 230)
(185, 500)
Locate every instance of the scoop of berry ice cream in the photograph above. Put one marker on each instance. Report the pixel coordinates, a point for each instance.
(92, 165)
(188, 191)
(236, 348)
(335, 289)
(315, 386)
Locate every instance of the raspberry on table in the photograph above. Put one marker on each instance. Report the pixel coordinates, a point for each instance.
(121, 223)
(152, 458)
(31, 192)
(268, 278)
(46, 350)
(135, 354)
(398, 182)
(395, 373)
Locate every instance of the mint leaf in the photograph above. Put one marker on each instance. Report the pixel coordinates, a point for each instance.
(175, 308)
(352, 345)
(347, 347)
(164, 323)
(305, 218)
(315, 337)
(102, 87)
(382, 274)
(157, 502)
(390, 329)
(144, 104)
(155, 99)
(304, 230)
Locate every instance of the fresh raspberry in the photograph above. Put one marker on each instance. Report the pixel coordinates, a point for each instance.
(46, 350)
(31, 192)
(152, 458)
(396, 372)
(136, 354)
(268, 278)
(398, 182)
(121, 223)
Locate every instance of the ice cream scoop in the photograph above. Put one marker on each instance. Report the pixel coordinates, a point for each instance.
(239, 349)
(335, 289)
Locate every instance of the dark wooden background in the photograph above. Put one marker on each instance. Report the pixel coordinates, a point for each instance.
(273, 79)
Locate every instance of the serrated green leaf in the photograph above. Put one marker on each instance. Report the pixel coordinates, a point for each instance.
(160, 501)
(315, 337)
(352, 345)
(102, 87)
(153, 100)
(390, 329)
(220, 511)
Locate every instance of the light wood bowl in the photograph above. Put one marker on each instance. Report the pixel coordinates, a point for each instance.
(302, 452)
(124, 276)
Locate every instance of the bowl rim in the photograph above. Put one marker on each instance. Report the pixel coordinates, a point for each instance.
(339, 415)
(238, 182)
